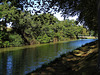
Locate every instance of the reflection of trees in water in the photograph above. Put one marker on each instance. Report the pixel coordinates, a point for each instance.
(36, 56)
(56, 47)
(9, 65)
(3, 63)
(18, 62)
(26, 60)
(30, 59)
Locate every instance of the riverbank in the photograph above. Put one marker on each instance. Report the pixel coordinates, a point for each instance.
(82, 61)
(31, 46)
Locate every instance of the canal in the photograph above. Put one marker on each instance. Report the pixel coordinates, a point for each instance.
(26, 60)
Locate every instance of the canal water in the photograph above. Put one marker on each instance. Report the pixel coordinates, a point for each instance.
(26, 60)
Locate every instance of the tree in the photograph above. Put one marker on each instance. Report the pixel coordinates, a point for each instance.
(99, 33)
(85, 9)
(45, 24)
(7, 15)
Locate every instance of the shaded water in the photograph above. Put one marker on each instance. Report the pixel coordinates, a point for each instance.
(25, 60)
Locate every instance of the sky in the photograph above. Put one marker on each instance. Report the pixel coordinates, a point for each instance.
(58, 15)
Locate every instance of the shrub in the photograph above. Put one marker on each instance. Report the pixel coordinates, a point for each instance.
(15, 40)
(4, 39)
(4, 44)
(44, 39)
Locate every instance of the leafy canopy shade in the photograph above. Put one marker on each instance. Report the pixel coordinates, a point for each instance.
(85, 9)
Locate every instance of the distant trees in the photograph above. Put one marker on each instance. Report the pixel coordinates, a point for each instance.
(31, 29)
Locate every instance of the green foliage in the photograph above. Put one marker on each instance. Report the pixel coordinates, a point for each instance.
(10, 13)
(15, 40)
(43, 28)
(32, 29)
(4, 44)
(4, 39)
(43, 39)
(85, 9)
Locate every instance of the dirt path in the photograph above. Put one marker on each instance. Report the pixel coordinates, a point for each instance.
(82, 61)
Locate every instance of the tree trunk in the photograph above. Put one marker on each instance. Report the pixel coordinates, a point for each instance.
(25, 40)
(99, 34)
(77, 36)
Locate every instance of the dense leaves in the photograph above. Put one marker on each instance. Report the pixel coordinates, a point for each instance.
(37, 28)
(15, 40)
(85, 9)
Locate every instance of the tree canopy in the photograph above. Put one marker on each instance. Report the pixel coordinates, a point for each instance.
(85, 9)
(45, 27)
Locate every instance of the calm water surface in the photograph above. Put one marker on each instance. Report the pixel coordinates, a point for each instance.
(23, 61)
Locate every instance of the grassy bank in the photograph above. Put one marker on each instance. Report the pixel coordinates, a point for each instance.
(82, 61)
(31, 46)
(92, 37)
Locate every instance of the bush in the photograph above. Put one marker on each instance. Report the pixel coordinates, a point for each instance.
(62, 38)
(4, 44)
(4, 39)
(15, 40)
(44, 39)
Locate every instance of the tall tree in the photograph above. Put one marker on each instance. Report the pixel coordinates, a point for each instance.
(99, 33)
(85, 9)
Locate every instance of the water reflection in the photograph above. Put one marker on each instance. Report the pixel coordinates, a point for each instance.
(9, 65)
(26, 60)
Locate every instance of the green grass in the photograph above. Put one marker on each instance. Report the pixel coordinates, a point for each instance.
(91, 38)
(28, 46)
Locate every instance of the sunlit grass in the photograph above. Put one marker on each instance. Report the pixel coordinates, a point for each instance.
(91, 37)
